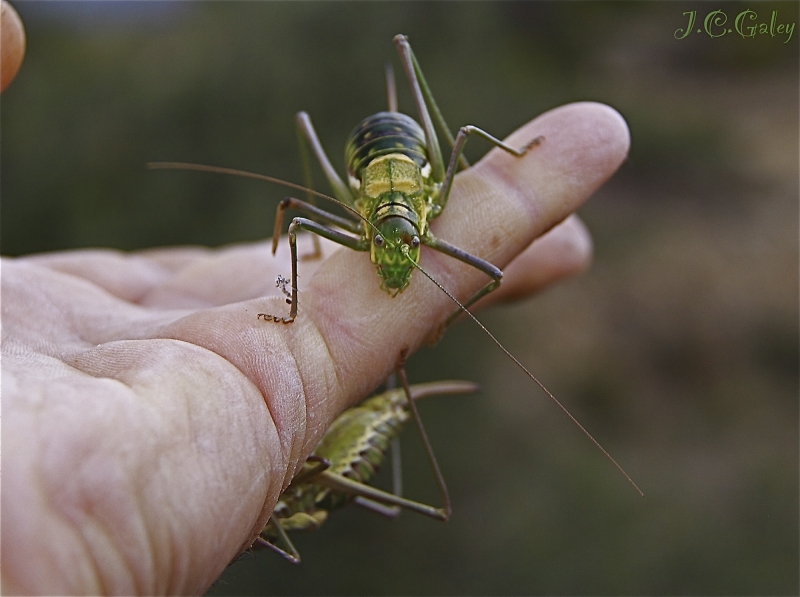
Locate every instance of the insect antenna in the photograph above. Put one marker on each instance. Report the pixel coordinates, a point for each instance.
(528, 373)
(246, 174)
(391, 89)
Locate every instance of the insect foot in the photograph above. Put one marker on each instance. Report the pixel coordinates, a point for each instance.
(536, 141)
(276, 318)
(282, 283)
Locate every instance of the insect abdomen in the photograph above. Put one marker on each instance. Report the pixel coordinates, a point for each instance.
(358, 440)
(381, 134)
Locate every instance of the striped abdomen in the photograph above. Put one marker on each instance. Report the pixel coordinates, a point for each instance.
(381, 134)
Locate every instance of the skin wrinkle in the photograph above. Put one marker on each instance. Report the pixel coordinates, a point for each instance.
(150, 550)
(288, 447)
(326, 376)
(317, 433)
(100, 267)
(353, 341)
(160, 463)
(99, 523)
(42, 481)
(98, 538)
(287, 430)
(352, 337)
(499, 254)
(270, 389)
(173, 548)
(57, 508)
(252, 366)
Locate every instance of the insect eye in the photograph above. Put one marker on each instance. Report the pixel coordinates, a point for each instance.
(378, 240)
(414, 242)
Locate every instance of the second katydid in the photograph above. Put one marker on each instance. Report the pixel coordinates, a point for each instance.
(345, 461)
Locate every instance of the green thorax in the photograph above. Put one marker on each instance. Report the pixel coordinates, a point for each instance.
(388, 170)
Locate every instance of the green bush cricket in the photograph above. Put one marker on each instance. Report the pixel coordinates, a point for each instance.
(346, 459)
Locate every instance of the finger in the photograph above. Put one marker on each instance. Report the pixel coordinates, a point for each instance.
(564, 251)
(232, 274)
(497, 208)
(185, 277)
(134, 467)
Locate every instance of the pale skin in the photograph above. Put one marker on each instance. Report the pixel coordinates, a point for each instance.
(150, 419)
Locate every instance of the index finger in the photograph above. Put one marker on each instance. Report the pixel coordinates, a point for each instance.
(497, 208)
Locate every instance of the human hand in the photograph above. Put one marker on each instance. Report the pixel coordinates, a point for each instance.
(151, 420)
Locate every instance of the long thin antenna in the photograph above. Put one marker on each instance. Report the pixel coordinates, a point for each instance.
(528, 373)
(391, 89)
(246, 174)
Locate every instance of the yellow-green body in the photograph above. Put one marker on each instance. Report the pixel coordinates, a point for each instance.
(395, 193)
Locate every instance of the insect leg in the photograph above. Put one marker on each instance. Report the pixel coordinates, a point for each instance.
(312, 210)
(377, 507)
(292, 555)
(308, 181)
(391, 89)
(306, 130)
(490, 270)
(458, 149)
(341, 483)
(413, 75)
(342, 238)
(446, 509)
(312, 467)
(422, 99)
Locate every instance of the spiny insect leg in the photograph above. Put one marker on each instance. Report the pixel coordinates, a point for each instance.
(458, 149)
(314, 212)
(342, 238)
(495, 273)
(306, 131)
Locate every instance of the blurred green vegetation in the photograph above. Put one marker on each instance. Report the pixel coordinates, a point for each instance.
(678, 350)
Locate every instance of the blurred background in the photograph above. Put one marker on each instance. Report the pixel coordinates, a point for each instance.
(678, 350)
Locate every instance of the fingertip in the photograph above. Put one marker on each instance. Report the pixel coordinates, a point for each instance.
(584, 144)
(12, 41)
(563, 252)
(577, 244)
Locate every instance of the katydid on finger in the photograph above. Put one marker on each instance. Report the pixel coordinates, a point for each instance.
(397, 182)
